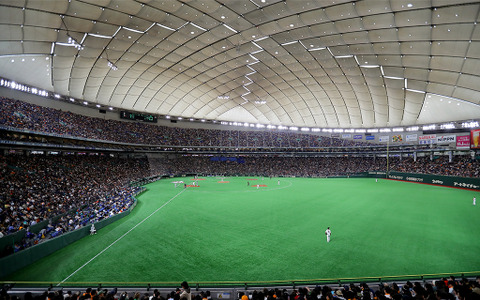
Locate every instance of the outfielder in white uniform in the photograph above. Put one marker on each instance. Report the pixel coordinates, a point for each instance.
(474, 201)
(328, 232)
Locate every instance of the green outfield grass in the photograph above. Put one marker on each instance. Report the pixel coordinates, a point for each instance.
(233, 232)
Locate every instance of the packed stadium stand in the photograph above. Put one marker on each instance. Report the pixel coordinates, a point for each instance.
(447, 288)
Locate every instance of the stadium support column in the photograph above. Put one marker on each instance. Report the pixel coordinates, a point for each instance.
(388, 155)
(450, 156)
(415, 156)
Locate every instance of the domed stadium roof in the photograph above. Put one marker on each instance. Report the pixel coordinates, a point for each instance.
(312, 63)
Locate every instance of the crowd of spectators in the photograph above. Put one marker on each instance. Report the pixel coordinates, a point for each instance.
(462, 166)
(23, 115)
(441, 289)
(79, 188)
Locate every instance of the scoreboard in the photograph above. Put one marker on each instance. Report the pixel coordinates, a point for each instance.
(138, 116)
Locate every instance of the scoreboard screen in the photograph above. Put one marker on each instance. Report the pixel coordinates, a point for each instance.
(138, 116)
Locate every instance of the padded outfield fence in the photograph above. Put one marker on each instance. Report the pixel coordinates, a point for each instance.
(237, 285)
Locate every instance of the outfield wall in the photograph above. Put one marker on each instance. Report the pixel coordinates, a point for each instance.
(16, 261)
(448, 181)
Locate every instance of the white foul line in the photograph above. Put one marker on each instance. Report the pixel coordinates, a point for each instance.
(120, 238)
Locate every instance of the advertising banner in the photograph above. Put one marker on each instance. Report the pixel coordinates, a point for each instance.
(346, 136)
(357, 137)
(427, 139)
(445, 139)
(451, 181)
(383, 139)
(475, 139)
(335, 135)
(370, 137)
(411, 137)
(397, 138)
(463, 142)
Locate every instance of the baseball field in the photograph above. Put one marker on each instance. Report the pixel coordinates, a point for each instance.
(254, 229)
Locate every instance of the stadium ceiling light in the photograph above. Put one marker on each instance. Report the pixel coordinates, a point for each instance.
(415, 91)
(372, 130)
(471, 124)
(316, 49)
(338, 130)
(413, 128)
(369, 66)
(429, 127)
(398, 129)
(253, 57)
(316, 129)
(289, 43)
(331, 53)
(305, 129)
(111, 65)
(165, 27)
(197, 26)
(72, 41)
(230, 28)
(360, 130)
(99, 36)
(253, 42)
(153, 24)
(262, 38)
(447, 126)
(133, 30)
(393, 77)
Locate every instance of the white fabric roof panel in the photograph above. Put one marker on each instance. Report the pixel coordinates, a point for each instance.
(315, 63)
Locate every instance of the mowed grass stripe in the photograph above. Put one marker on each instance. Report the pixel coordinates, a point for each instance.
(230, 231)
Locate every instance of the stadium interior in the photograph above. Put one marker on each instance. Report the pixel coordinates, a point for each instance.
(99, 98)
